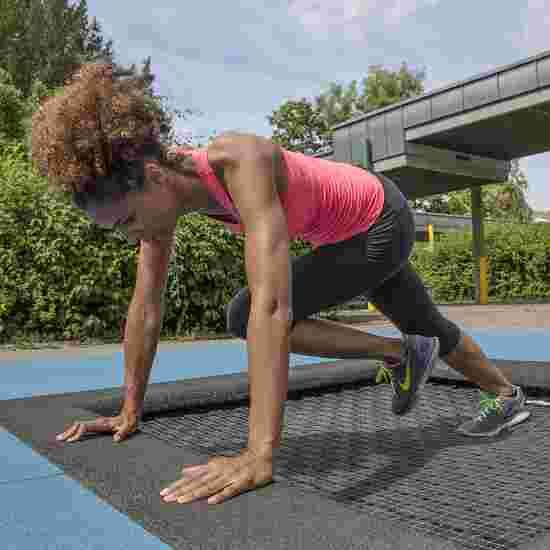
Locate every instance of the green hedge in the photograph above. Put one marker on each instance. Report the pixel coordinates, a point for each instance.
(62, 278)
(518, 264)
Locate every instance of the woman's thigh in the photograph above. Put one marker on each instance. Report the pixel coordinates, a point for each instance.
(335, 274)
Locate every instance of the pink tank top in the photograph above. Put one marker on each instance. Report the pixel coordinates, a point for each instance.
(325, 201)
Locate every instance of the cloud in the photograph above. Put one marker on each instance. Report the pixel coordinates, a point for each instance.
(355, 15)
(534, 21)
(236, 40)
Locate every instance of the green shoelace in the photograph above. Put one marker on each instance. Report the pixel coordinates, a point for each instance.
(384, 375)
(489, 403)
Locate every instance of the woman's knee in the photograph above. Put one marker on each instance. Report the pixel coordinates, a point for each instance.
(446, 331)
(237, 312)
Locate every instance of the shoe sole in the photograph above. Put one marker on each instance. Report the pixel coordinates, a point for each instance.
(517, 419)
(431, 364)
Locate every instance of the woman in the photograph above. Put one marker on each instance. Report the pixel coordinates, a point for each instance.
(99, 142)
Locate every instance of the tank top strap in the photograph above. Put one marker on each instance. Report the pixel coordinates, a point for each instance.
(207, 176)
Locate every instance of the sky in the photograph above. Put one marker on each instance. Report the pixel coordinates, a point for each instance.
(236, 62)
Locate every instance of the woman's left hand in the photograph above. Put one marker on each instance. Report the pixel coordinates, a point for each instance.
(222, 478)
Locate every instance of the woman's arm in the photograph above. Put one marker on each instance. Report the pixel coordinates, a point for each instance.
(144, 321)
(250, 167)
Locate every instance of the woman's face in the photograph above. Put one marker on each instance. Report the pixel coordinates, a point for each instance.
(142, 215)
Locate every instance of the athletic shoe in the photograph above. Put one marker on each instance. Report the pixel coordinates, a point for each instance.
(496, 414)
(408, 376)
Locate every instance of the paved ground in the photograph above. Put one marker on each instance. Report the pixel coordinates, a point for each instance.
(491, 316)
(525, 316)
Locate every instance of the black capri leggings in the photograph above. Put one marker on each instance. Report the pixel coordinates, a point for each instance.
(374, 263)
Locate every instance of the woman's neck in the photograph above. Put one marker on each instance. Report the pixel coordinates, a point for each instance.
(191, 193)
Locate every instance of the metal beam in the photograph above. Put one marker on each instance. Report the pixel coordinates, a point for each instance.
(456, 163)
(506, 107)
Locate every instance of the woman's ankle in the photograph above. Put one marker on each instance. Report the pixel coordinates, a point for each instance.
(507, 392)
(394, 354)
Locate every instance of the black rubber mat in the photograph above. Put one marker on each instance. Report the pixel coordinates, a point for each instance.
(350, 475)
(345, 443)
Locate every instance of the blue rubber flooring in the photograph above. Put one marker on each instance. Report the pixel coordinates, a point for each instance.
(43, 509)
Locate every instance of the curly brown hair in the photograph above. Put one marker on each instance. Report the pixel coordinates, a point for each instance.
(102, 121)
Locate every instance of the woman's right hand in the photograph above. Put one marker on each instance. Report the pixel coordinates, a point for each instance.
(122, 426)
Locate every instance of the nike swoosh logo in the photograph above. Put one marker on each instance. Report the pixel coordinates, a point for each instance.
(406, 386)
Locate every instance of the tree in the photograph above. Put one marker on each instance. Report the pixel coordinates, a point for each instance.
(383, 87)
(507, 201)
(94, 42)
(339, 103)
(380, 88)
(42, 42)
(47, 40)
(298, 126)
